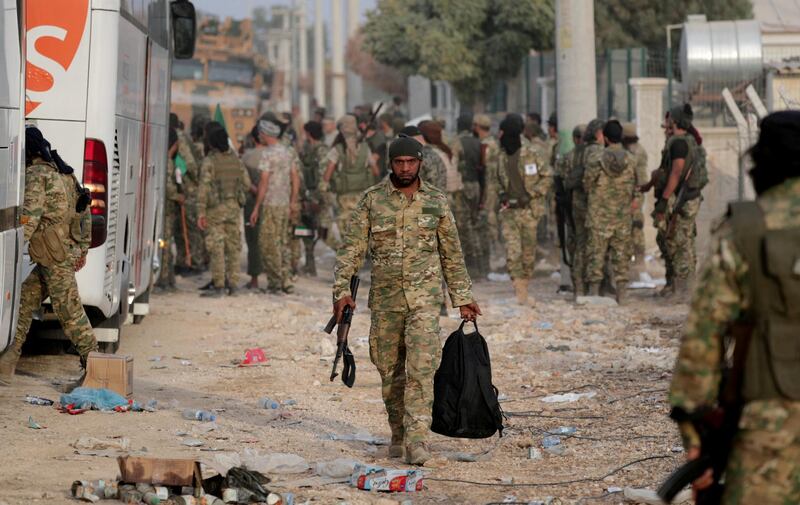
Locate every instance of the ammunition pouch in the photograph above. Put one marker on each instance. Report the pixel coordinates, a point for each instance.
(48, 245)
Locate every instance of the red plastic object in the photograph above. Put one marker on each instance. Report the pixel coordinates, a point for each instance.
(254, 356)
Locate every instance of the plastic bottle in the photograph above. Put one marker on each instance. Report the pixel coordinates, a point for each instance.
(199, 415)
(266, 403)
(37, 400)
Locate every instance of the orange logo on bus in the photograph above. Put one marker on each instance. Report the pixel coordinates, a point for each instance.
(54, 34)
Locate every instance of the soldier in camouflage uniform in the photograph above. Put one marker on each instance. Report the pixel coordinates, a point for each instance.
(489, 226)
(278, 191)
(609, 182)
(407, 225)
(192, 155)
(314, 152)
(173, 199)
(251, 159)
(747, 297)
(523, 180)
(562, 169)
(58, 230)
(631, 142)
(221, 196)
(592, 146)
(472, 225)
(351, 169)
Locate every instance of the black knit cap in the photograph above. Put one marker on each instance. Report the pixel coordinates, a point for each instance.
(613, 131)
(405, 146)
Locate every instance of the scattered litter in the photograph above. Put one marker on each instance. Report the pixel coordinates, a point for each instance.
(495, 277)
(267, 403)
(556, 450)
(551, 441)
(155, 358)
(598, 301)
(468, 457)
(337, 468)
(289, 402)
(502, 397)
(359, 437)
(158, 367)
(614, 489)
(545, 325)
(84, 398)
(37, 400)
(86, 443)
(95, 490)
(192, 442)
(254, 356)
(375, 478)
(558, 348)
(649, 497)
(534, 453)
(151, 406)
(590, 322)
(506, 480)
(563, 430)
(33, 424)
(282, 463)
(186, 362)
(677, 449)
(568, 397)
(199, 415)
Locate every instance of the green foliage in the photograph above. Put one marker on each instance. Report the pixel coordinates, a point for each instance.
(469, 43)
(637, 23)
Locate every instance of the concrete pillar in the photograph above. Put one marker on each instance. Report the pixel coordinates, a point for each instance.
(355, 88)
(319, 55)
(648, 103)
(338, 94)
(302, 47)
(575, 76)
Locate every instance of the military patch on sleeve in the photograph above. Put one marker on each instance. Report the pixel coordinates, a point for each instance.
(435, 211)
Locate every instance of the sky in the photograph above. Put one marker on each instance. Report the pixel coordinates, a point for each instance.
(241, 8)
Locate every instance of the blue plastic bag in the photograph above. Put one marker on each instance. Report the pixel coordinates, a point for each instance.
(96, 399)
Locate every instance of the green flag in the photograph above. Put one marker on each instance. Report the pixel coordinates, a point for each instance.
(219, 118)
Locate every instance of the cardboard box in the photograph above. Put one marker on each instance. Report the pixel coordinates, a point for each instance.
(158, 471)
(110, 371)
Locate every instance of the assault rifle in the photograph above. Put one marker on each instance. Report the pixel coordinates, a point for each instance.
(342, 349)
(716, 427)
(680, 199)
(564, 221)
(362, 134)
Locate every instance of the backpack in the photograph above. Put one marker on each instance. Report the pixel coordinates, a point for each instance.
(464, 399)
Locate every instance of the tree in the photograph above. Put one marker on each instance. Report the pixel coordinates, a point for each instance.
(385, 78)
(469, 43)
(642, 23)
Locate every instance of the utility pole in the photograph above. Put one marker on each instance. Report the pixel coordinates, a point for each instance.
(576, 90)
(319, 55)
(302, 45)
(355, 91)
(337, 53)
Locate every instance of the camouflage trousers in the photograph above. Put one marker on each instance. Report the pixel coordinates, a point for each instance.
(327, 208)
(764, 466)
(58, 282)
(197, 237)
(255, 266)
(681, 242)
(466, 216)
(661, 242)
(167, 275)
(577, 247)
(613, 239)
(346, 203)
(272, 237)
(637, 231)
(519, 233)
(224, 244)
(405, 348)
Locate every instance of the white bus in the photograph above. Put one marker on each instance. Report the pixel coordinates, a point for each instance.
(11, 164)
(97, 85)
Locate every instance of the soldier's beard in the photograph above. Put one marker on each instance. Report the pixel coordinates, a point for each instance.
(405, 181)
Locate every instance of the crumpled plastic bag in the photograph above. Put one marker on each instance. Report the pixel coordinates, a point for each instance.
(91, 398)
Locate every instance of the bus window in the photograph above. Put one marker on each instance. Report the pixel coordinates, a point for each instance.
(231, 72)
(187, 69)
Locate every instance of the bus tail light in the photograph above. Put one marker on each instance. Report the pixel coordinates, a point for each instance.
(95, 178)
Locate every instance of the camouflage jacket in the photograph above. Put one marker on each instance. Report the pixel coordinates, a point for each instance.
(208, 199)
(278, 160)
(609, 184)
(186, 149)
(433, 170)
(491, 154)
(313, 163)
(534, 165)
(411, 242)
(50, 199)
(722, 296)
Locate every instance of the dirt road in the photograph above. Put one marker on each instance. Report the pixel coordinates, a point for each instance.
(616, 361)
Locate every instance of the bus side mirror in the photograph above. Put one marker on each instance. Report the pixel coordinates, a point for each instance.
(184, 28)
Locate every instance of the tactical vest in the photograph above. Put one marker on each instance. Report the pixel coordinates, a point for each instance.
(49, 244)
(353, 176)
(696, 159)
(772, 364)
(574, 180)
(228, 177)
(470, 158)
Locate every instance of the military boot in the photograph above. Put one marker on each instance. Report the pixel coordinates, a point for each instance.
(8, 363)
(593, 289)
(213, 293)
(417, 454)
(622, 293)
